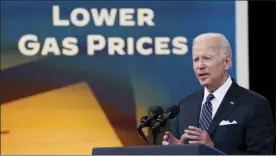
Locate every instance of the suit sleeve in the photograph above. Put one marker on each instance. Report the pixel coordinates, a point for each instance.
(175, 127)
(259, 132)
(175, 123)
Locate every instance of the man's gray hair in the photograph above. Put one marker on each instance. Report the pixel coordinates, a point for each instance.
(225, 45)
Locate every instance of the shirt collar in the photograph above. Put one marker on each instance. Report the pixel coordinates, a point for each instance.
(221, 91)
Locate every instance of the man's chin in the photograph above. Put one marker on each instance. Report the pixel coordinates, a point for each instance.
(204, 83)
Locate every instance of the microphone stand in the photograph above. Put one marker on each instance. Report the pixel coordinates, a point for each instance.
(142, 135)
(155, 133)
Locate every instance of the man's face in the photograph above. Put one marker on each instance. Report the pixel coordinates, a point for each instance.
(209, 64)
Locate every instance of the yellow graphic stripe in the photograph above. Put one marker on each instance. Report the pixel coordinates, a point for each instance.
(68, 120)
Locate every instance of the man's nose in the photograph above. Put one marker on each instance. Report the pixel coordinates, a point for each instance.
(201, 64)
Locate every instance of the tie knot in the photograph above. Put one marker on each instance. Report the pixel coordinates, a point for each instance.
(210, 97)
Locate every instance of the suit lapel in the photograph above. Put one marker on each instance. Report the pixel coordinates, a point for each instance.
(227, 105)
(196, 108)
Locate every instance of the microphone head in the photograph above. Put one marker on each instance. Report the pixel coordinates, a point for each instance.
(173, 111)
(156, 110)
(144, 118)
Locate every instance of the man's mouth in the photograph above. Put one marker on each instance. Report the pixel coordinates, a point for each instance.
(203, 75)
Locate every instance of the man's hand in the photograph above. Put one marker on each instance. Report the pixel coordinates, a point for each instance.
(197, 136)
(169, 139)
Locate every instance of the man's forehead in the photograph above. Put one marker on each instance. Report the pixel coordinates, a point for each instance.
(210, 51)
(205, 47)
(206, 43)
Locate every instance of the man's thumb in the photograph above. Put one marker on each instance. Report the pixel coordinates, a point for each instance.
(169, 134)
(183, 138)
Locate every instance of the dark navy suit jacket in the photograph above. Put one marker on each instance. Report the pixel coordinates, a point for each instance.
(254, 131)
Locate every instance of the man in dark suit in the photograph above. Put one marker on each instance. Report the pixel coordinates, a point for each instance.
(223, 114)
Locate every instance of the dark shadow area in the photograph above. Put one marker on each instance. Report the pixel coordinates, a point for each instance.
(262, 50)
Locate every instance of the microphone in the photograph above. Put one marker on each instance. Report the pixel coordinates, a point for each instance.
(169, 114)
(147, 120)
(141, 133)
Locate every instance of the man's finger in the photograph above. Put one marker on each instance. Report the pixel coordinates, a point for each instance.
(193, 137)
(169, 134)
(193, 142)
(165, 143)
(165, 137)
(192, 132)
(183, 138)
(195, 128)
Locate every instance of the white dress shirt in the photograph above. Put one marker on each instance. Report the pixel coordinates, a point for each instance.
(218, 94)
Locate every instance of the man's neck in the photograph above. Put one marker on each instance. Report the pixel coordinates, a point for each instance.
(213, 88)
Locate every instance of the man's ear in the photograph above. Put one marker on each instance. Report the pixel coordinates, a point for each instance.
(228, 62)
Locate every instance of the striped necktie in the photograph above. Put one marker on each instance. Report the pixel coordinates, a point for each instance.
(206, 113)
